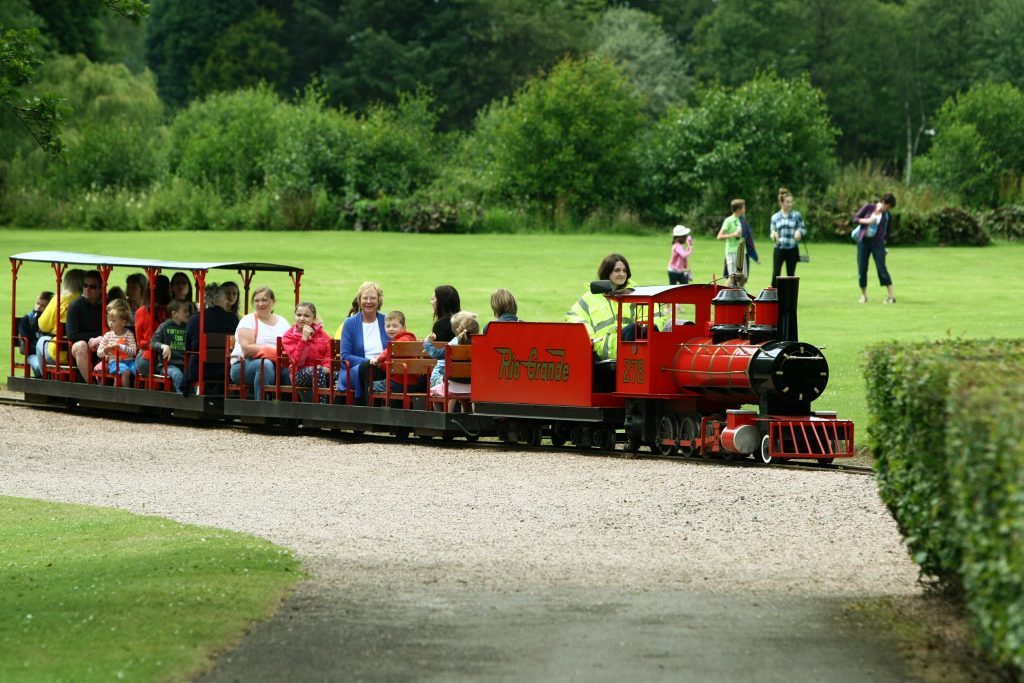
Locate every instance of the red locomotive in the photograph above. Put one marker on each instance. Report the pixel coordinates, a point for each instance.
(701, 353)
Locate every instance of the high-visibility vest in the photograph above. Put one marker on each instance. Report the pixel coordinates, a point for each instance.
(600, 315)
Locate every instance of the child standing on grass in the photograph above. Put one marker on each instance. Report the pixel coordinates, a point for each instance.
(679, 262)
(117, 347)
(732, 232)
(169, 342)
(394, 325)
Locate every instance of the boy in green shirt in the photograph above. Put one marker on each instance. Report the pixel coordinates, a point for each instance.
(732, 232)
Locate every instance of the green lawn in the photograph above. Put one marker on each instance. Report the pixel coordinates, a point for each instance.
(92, 594)
(940, 291)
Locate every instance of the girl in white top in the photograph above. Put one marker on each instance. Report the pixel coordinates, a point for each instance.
(255, 349)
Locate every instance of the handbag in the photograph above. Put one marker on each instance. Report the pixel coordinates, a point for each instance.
(805, 257)
(266, 352)
(855, 233)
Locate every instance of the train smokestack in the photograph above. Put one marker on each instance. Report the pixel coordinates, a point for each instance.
(788, 289)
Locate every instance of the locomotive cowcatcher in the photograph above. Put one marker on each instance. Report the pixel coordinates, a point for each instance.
(703, 370)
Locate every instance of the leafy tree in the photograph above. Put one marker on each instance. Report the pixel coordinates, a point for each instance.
(741, 37)
(40, 115)
(636, 40)
(998, 54)
(747, 142)
(181, 35)
(979, 144)
(565, 141)
(244, 55)
(115, 138)
(73, 27)
(468, 53)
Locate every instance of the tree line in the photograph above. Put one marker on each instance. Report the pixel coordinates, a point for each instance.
(450, 115)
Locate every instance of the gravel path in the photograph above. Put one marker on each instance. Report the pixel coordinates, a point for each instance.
(396, 515)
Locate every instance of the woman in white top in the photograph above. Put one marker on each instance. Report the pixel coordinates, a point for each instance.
(255, 349)
(362, 338)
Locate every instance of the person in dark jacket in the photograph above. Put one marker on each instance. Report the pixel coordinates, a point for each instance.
(85, 321)
(168, 343)
(874, 219)
(218, 319)
(28, 324)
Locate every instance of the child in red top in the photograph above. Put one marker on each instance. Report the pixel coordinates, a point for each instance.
(394, 326)
(309, 348)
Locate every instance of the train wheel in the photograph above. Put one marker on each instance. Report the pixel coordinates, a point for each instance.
(533, 434)
(825, 461)
(603, 439)
(402, 433)
(559, 434)
(689, 429)
(581, 438)
(472, 438)
(668, 430)
(764, 456)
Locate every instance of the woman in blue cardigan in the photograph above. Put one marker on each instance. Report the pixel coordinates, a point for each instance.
(362, 338)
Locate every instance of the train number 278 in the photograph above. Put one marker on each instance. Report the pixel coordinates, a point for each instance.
(633, 371)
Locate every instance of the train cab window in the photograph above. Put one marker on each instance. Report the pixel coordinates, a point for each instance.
(673, 316)
(638, 330)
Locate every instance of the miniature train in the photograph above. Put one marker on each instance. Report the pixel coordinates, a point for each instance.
(707, 371)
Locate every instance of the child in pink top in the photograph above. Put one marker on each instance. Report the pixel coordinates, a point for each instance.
(679, 264)
(309, 348)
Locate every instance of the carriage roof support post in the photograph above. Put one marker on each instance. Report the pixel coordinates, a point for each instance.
(296, 276)
(247, 282)
(105, 278)
(58, 269)
(15, 267)
(151, 273)
(200, 278)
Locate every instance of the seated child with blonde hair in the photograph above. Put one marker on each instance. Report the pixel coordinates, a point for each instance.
(117, 348)
(394, 325)
(465, 325)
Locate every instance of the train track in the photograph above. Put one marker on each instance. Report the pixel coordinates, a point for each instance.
(492, 443)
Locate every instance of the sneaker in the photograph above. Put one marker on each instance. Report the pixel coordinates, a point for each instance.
(863, 298)
(889, 300)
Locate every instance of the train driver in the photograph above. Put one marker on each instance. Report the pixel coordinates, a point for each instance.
(599, 313)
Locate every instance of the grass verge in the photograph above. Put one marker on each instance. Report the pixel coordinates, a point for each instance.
(932, 633)
(91, 594)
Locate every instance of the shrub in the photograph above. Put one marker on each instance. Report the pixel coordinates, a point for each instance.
(957, 227)
(181, 205)
(223, 141)
(907, 388)
(1006, 222)
(945, 425)
(987, 481)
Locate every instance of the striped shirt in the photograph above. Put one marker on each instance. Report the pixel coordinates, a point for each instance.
(786, 227)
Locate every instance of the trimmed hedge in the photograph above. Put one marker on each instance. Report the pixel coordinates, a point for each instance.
(945, 425)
